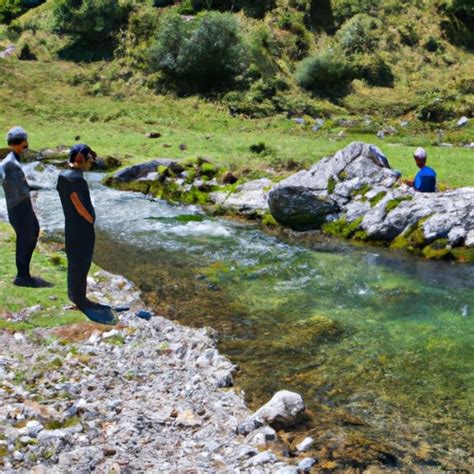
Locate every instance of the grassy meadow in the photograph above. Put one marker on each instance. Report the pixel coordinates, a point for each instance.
(21, 302)
(41, 97)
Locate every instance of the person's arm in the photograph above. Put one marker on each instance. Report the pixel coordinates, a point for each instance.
(81, 210)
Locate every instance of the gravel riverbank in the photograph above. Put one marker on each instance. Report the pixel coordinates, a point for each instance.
(146, 396)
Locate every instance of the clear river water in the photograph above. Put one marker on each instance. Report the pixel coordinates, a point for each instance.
(380, 345)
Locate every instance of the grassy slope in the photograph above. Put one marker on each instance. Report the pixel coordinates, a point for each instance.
(14, 299)
(38, 96)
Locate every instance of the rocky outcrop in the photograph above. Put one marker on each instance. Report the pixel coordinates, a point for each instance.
(196, 181)
(352, 194)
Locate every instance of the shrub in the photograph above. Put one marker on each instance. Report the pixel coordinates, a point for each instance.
(436, 110)
(359, 34)
(91, 22)
(408, 34)
(431, 44)
(9, 9)
(204, 54)
(459, 21)
(373, 69)
(326, 74)
(343, 10)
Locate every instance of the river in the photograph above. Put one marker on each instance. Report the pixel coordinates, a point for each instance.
(380, 345)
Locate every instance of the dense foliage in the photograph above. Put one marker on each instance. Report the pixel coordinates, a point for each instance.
(91, 21)
(201, 54)
(10, 9)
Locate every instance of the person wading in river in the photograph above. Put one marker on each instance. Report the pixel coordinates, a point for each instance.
(79, 232)
(21, 215)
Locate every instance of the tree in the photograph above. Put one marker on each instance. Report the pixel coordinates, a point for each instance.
(10, 9)
(91, 21)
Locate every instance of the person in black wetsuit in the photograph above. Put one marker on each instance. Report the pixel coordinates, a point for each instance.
(79, 231)
(20, 210)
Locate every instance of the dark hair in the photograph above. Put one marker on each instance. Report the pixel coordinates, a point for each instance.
(81, 149)
(16, 141)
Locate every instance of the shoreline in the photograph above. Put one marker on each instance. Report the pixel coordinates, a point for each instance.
(124, 399)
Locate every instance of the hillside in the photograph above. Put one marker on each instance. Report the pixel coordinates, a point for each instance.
(323, 58)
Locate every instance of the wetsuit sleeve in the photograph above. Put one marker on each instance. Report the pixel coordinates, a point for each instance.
(2, 172)
(80, 208)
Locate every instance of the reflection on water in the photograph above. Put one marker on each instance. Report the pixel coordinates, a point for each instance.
(380, 346)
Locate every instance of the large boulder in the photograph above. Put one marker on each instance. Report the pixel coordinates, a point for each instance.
(355, 194)
(305, 199)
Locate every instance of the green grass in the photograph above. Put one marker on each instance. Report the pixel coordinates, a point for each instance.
(14, 299)
(39, 97)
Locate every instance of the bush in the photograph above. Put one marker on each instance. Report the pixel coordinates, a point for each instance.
(204, 54)
(360, 34)
(91, 22)
(373, 69)
(326, 74)
(343, 10)
(408, 34)
(9, 9)
(459, 21)
(436, 110)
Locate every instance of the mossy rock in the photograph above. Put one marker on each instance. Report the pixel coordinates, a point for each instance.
(342, 228)
(438, 250)
(209, 170)
(413, 240)
(463, 254)
(394, 203)
(269, 221)
(365, 188)
(163, 170)
(331, 184)
(377, 198)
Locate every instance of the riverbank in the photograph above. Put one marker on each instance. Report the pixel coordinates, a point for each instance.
(58, 106)
(148, 395)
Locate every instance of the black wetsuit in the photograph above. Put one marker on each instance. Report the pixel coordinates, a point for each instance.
(20, 212)
(80, 235)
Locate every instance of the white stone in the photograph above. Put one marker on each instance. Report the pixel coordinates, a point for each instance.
(457, 235)
(469, 242)
(18, 336)
(284, 408)
(32, 428)
(305, 444)
(306, 464)
(462, 121)
(111, 333)
(262, 458)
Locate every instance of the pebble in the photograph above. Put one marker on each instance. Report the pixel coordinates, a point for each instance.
(305, 444)
(151, 402)
(142, 314)
(306, 464)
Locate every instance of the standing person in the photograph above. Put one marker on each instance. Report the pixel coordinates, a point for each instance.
(79, 232)
(425, 180)
(20, 210)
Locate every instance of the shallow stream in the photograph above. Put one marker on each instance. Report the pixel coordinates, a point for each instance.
(381, 346)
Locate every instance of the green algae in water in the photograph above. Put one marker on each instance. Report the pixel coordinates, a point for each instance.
(388, 339)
